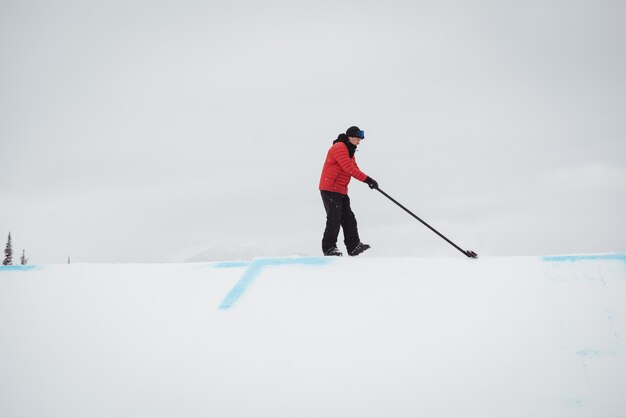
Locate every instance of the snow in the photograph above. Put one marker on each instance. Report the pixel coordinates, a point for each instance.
(316, 337)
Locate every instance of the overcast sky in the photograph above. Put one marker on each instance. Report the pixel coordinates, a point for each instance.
(152, 130)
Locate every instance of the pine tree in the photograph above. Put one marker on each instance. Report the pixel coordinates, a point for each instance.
(23, 259)
(8, 253)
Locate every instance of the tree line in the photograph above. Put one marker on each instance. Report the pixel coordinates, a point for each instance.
(8, 254)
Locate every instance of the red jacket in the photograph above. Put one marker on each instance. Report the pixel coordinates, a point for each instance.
(338, 169)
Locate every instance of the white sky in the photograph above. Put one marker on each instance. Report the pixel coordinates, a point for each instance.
(135, 130)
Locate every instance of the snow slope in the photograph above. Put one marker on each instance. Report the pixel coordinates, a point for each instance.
(316, 337)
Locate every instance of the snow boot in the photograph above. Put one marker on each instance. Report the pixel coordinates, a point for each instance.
(359, 249)
(334, 251)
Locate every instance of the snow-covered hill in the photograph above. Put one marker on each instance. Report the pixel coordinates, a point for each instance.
(316, 337)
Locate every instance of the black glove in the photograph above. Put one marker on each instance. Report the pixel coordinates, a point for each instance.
(372, 183)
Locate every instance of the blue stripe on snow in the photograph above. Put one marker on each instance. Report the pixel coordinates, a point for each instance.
(241, 286)
(593, 257)
(256, 267)
(231, 264)
(18, 268)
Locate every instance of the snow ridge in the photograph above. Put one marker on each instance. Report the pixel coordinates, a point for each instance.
(316, 336)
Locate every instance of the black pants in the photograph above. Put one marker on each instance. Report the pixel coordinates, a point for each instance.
(339, 214)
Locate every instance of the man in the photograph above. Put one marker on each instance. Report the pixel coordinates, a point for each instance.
(339, 168)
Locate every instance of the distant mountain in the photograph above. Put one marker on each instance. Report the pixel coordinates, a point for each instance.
(237, 252)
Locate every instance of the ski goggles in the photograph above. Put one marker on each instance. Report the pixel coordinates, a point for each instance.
(361, 134)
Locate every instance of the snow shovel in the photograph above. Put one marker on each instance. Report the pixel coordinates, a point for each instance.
(468, 253)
